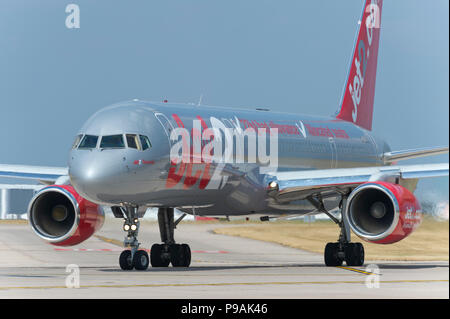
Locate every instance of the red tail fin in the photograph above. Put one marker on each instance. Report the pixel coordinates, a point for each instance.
(359, 90)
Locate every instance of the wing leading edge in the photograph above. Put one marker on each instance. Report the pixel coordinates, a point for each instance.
(288, 186)
(44, 174)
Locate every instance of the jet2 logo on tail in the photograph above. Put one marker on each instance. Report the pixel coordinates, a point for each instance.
(372, 22)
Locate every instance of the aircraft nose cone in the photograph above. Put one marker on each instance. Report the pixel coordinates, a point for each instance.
(95, 179)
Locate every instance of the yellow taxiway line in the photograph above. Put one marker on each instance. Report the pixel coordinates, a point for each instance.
(357, 270)
(222, 284)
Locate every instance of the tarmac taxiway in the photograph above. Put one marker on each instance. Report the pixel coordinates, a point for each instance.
(222, 267)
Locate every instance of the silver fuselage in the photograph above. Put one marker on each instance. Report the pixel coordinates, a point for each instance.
(118, 176)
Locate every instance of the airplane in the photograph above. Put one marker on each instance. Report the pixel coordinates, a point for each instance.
(216, 161)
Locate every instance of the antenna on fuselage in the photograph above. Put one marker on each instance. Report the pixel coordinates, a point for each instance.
(200, 100)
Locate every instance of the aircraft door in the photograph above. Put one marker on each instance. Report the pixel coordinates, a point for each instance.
(168, 127)
(334, 159)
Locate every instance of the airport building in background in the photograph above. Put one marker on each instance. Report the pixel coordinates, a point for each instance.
(14, 199)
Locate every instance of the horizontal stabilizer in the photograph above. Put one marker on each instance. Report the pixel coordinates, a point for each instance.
(413, 153)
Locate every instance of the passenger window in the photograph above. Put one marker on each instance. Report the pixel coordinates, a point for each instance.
(145, 142)
(112, 141)
(77, 141)
(132, 141)
(88, 141)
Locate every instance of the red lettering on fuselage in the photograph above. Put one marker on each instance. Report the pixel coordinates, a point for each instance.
(293, 129)
(174, 176)
(190, 171)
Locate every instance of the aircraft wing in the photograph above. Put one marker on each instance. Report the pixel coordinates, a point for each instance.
(285, 187)
(44, 174)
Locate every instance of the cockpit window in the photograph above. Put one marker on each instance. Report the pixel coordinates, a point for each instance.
(132, 141)
(145, 142)
(88, 141)
(77, 141)
(112, 141)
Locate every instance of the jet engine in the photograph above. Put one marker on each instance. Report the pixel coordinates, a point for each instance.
(60, 216)
(382, 212)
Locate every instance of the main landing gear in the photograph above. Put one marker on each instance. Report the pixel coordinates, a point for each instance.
(343, 249)
(161, 255)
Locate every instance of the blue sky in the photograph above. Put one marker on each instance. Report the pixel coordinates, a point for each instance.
(288, 55)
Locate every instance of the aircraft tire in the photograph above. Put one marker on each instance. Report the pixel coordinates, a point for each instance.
(186, 255)
(140, 260)
(331, 255)
(180, 255)
(125, 261)
(176, 255)
(354, 254)
(156, 256)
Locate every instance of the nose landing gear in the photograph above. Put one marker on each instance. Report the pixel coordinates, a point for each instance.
(132, 258)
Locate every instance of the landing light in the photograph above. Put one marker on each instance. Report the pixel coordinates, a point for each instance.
(273, 185)
(126, 227)
(133, 227)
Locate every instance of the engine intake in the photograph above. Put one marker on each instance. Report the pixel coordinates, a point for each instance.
(382, 212)
(61, 217)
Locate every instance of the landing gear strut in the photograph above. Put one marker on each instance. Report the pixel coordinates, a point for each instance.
(343, 249)
(132, 258)
(161, 255)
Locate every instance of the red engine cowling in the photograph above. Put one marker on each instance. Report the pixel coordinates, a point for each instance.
(382, 213)
(62, 217)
